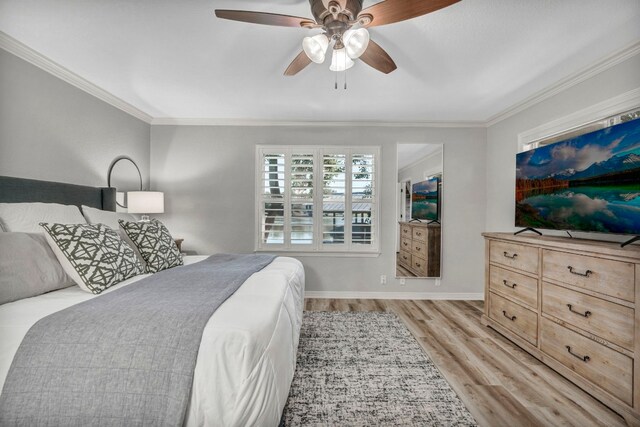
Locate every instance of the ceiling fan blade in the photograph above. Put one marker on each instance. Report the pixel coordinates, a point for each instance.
(264, 18)
(376, 57)
(390, 11)
(298, 64)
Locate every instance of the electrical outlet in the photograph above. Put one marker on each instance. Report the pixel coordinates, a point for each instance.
(438, 282)
(403, 281)
(383, 279)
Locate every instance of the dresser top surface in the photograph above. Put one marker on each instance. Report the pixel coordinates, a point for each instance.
(419, 224)
(567, 243)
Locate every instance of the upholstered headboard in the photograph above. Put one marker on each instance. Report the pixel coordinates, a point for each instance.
(20, 190)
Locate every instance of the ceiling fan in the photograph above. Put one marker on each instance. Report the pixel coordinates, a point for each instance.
(344, 23)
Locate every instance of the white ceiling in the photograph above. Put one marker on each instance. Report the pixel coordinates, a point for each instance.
(467, 62)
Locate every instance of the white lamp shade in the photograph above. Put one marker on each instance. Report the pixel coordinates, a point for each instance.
(316, 47)
(356, 42)
(145, 202)
(340, 61)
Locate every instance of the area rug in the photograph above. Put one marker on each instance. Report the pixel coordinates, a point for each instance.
(366, 369)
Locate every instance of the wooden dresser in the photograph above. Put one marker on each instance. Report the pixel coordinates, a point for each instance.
(420, 248)
(571, 303)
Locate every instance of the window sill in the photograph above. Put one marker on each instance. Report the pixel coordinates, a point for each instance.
(349, 254)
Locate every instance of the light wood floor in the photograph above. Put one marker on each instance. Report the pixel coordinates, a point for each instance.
(499, 383)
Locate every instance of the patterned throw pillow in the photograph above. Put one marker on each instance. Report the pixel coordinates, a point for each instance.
(155, 244)
(93, 255)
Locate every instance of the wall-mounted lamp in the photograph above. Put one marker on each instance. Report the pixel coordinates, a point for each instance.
(120, 194)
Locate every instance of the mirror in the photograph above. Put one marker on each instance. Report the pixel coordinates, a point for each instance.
(125, 176)
(419, 210)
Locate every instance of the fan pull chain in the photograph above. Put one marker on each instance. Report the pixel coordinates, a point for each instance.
(344, 67)
(336, 87)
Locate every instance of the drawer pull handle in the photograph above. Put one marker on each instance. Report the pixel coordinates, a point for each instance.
(585, 314)
(418, 265)
(405, 243)
(512, 286)
(418, 248)
(404, 257)
(509, 256)
(418, 233)
(585, 274)
(512, 318)
(583, 358)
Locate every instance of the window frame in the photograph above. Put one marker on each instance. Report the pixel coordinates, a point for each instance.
(600, 116)
(318, 247)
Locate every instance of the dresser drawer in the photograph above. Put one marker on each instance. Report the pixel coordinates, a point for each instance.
(613, 278)
(420, 233)
(405, 244)
(419, 248)
(610, 370)
(419, 264)
(522, 257)
(514, 317)
(516, 286)
(612, 322)
(405, 257)
(405, 231)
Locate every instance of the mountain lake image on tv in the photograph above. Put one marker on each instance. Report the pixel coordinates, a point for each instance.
(424, 199)
(587, 183)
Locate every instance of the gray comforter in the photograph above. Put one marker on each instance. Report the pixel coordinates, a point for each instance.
(125, 358)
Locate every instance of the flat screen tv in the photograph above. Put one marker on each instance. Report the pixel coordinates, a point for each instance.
(425, 197)
(586, 183)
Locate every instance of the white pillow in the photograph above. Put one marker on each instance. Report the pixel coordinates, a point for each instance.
(26, 217)
(108, 218)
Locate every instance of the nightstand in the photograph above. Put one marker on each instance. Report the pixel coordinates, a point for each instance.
(179, 243)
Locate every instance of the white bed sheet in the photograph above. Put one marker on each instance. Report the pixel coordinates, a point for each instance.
(248, 351)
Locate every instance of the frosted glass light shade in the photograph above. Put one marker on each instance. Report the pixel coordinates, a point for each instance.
(340, 61)
(356, 42)
(145, 202)
(316, 47)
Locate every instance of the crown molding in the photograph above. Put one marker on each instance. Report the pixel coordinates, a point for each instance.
(169, 121)
(396, 295)
(570, 81)
(24, 52)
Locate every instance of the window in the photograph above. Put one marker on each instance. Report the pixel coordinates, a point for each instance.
(317, 199)
(584, 128)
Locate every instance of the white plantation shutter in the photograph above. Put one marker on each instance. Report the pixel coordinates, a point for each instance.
(362, 198)
(317, 199)
(272, 198)
(302, 186)
(334, 186)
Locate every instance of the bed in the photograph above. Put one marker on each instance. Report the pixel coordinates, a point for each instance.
(247, 353)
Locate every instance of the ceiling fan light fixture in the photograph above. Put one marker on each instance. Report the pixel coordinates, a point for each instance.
(356, 42)
(340, 61)
(316, 47)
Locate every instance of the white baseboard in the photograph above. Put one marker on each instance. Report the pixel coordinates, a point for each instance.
(395, 295)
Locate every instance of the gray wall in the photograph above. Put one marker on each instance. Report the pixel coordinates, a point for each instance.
(502, 138)
(207, 174)
(51, 130)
